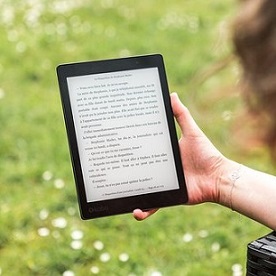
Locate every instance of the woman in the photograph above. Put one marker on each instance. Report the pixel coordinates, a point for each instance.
(210, 176)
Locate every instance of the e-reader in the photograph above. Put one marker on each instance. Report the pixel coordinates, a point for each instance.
(121, 134)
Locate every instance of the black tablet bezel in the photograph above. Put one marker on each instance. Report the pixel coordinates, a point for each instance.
(120, 205)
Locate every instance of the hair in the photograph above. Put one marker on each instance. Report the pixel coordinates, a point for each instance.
(254, 40)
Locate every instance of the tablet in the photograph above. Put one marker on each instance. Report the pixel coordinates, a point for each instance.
(121, 134)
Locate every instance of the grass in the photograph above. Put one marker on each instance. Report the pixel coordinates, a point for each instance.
(38, 207)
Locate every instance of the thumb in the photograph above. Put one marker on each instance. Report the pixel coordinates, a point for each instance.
(183, 115)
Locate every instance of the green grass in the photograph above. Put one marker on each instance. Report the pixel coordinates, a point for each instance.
(38, 35)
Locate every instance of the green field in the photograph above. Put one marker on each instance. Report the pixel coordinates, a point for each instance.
(40, 229)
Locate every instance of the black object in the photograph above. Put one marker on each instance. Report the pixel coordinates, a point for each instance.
(261, 256)
(122, 137)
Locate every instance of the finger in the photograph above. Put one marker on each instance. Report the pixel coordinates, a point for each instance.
(182, 115)
(141, 215)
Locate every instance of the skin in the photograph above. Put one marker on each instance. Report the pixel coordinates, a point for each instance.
(208, 175)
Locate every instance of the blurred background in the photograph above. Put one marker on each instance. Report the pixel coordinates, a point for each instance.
(41, 232)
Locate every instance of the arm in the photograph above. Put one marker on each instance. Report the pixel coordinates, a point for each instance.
(209, 175)
(252, 194)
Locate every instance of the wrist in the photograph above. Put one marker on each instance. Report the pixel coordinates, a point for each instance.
(230, 174)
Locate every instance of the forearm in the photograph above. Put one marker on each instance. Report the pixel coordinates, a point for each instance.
(249, 192)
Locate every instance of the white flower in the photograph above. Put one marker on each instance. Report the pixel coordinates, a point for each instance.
(68, 273)
(105, 257)
(98, 245)
(71, 211)
(76, 245)
(43, 232)
(47, 175)
(77, 235)
(156, 273)
(7, 15)
(2, 93)
(124, 257)
(43, 214)
(59, 183)
(59, 222)
(203, 234)
(215, 247)
(188, 237)
(237, 270)
(94, 270)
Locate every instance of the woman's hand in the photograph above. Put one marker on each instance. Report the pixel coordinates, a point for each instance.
(201, 161)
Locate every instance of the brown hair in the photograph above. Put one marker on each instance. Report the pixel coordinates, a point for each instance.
(255, 45)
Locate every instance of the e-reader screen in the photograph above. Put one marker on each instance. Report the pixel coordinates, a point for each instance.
(121, 134)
